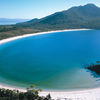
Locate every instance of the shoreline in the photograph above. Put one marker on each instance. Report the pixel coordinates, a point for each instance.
(12, 87)
(77, 94)
(86, 94)
(34, 34)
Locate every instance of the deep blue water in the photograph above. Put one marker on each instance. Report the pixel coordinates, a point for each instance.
(51, 61)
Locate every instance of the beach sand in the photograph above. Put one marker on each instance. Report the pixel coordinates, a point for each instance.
(33, 34)
(87, 94)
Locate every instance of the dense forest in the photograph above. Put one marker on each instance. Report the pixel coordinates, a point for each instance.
(80, 17)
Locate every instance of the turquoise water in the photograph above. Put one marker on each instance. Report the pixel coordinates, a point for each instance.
(51, 61)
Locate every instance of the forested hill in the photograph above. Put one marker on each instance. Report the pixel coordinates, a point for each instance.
(87, 16)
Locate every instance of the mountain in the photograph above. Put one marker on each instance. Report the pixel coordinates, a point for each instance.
(7, 21)
(87, 16)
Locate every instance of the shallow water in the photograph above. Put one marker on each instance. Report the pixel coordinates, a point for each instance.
(51, 61)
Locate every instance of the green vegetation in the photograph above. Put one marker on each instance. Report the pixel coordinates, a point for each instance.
(31, 94)
(87, 16)
(94, 67)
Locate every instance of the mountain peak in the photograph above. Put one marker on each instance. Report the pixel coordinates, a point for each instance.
(90, 5)
(87, 16)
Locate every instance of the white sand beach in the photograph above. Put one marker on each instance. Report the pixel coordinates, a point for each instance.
(12, 87)
(33, 34)
(86, 94)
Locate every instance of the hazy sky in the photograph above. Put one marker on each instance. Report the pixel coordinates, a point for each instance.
(37, 8)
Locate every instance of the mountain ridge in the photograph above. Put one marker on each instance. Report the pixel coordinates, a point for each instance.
(78, 17)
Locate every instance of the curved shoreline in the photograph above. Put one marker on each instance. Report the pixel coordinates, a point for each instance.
(84, 94)
(87, 94)
(34, 34)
